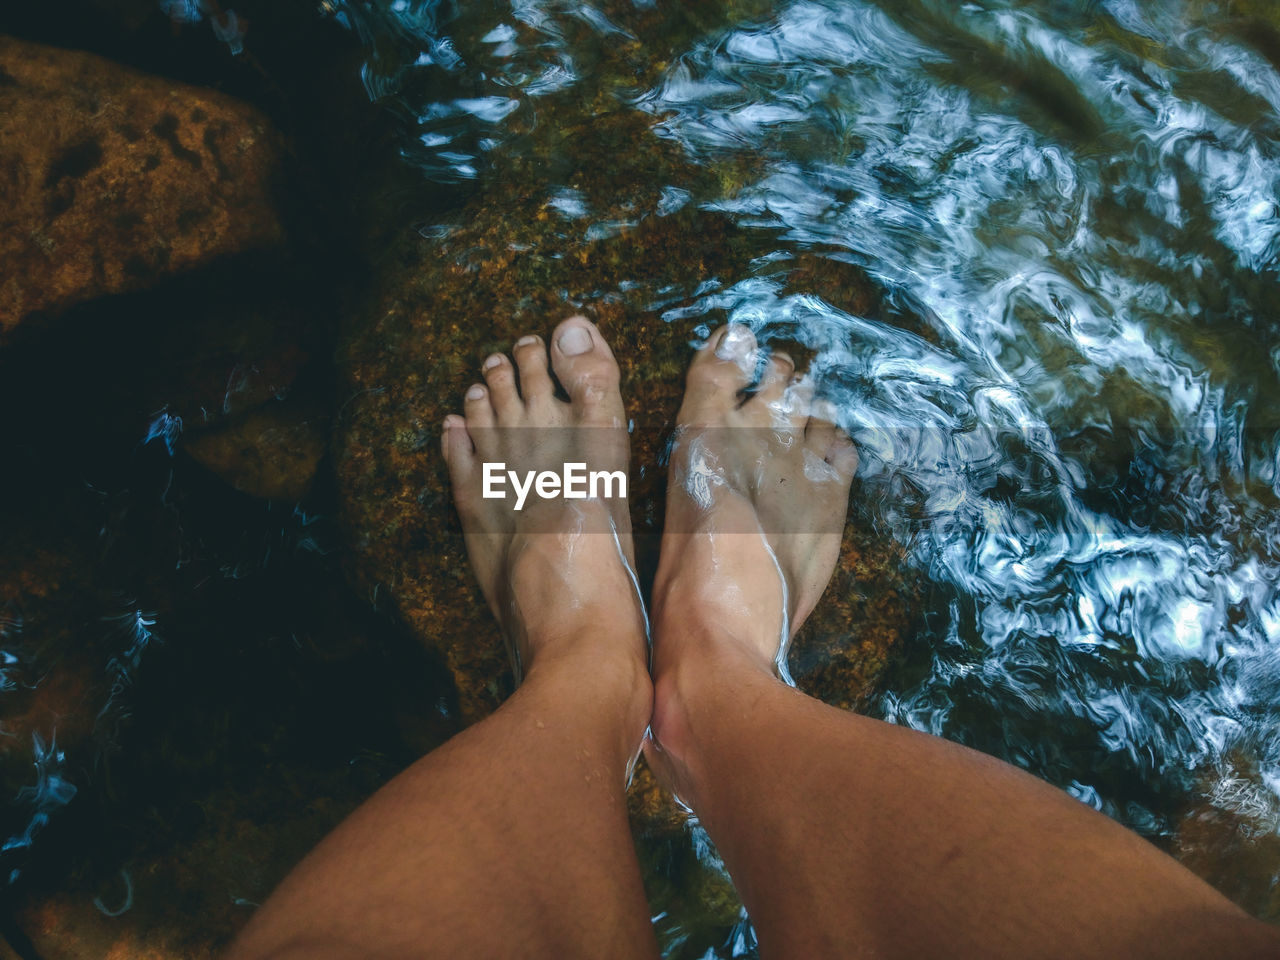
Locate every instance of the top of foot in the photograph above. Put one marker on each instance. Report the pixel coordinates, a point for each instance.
(757, 496)
(557, 566)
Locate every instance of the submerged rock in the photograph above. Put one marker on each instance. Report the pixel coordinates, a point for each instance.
(1236, 852)
(1228, 836)
(271, 452)
(177, 735)
(227, 360)
(114, 179)
(53, 675)
(64, 928)
(517, 264)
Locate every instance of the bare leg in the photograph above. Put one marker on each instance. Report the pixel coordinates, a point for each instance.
(511, 840)
(846, 836)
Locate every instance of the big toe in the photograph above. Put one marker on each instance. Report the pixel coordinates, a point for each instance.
(585, 367)
(720, 371)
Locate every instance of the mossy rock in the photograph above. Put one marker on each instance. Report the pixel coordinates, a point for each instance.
(117, 179)
(515, 264)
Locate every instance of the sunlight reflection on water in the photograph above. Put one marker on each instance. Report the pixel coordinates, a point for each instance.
(1078, 444)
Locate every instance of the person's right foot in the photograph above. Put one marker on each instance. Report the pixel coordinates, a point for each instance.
(758, 490)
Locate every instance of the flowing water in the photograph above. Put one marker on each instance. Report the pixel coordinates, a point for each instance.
(1066, 406)
(1063, 389)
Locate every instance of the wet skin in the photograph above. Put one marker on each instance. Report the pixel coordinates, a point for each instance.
(845, 836)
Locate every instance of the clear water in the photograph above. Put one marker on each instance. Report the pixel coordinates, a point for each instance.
(1063, 393)
(1075, 437)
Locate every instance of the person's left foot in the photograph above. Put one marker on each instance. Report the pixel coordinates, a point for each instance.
(558, 573)
(756, 502)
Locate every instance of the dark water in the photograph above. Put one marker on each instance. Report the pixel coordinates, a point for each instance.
(1066, 409)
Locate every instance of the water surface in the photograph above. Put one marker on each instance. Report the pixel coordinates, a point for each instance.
(1061, 371)
(1065, 397)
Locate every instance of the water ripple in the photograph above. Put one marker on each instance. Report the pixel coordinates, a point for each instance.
(1076, 435)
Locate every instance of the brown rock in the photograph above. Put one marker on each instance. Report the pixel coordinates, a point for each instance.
(271, 452)
(113, 178)
(515, 266)
(226, 360)
(63, 928)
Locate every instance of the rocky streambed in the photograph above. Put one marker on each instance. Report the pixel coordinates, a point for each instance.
(253, 450)
(234, 598)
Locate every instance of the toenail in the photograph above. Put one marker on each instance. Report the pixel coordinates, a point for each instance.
(475, 392)
(527, 341)
(736, 342)
(492, 361)
(574, 341)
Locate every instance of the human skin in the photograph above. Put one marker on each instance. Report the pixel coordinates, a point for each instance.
(845, 836)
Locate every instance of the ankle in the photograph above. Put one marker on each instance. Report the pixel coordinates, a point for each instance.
(700, 670)
(604, 676)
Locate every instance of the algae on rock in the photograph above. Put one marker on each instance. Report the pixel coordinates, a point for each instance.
(514, 264)
(115, 179)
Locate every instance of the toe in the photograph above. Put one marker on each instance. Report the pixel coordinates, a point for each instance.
(500, 375)
(721, 370)
(778, 373)
(774, 402)
(843, 455)
(479, 410)
(456, 445)
(535, 376)
(795, 407)
(585, 367)
(825, 438)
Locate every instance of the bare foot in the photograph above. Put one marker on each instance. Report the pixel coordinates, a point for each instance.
(557, 572)
(758, 490)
